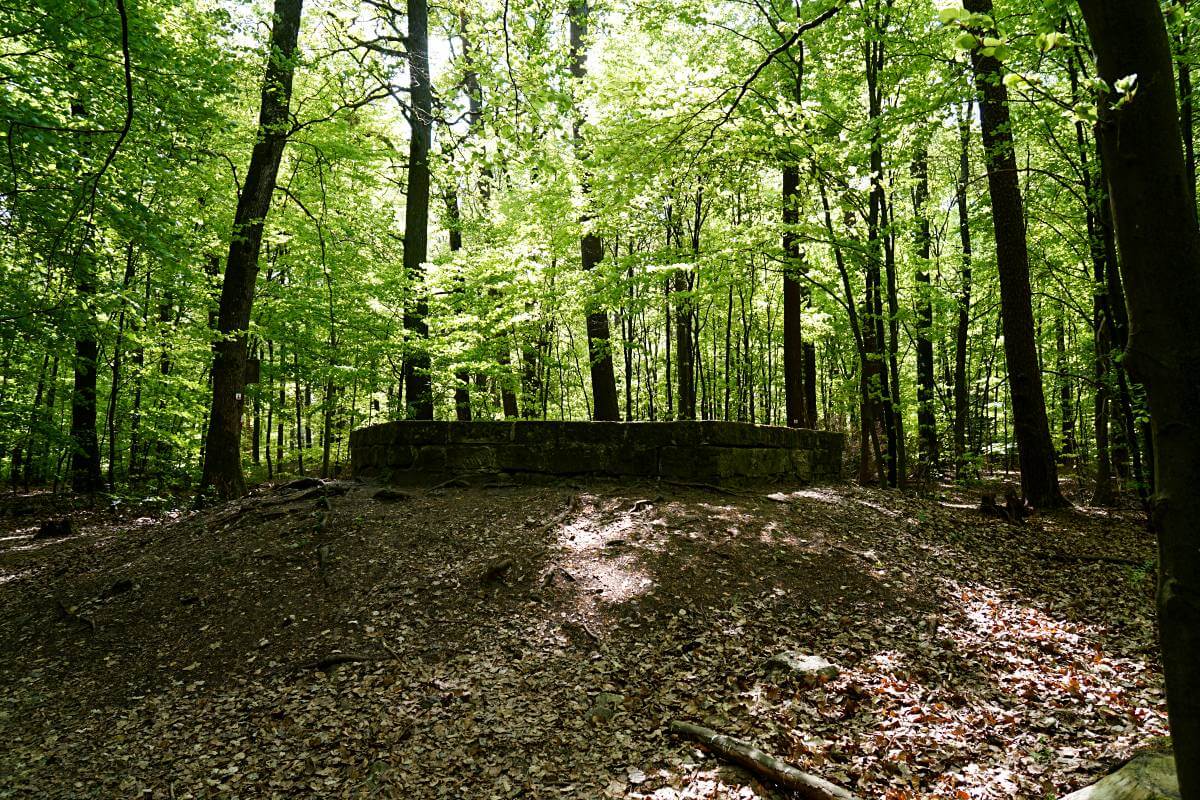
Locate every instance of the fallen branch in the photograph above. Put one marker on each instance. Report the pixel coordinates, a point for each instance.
(761, 764)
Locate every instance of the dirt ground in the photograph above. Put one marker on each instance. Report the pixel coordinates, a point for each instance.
(537, 641)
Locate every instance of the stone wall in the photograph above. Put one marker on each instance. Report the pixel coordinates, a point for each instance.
(414, 452)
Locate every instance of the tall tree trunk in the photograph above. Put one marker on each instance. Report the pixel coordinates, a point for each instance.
(298, 444)
(1186, 102)
(926, 420)
(793, 335)
(1066, 406)
(962, 402)
(222, 452)
(270, 404)
(793, 296)
(1099, 244)
(85, 446)
(1039, 473)
(878, 387)
(893, 344)
(605, 405)
(685, 397)
(1159, 238)
(418, 383)
(115, 375)
(462, 377)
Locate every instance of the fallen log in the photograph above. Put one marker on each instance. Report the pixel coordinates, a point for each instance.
(1150, 775)
(807, 786)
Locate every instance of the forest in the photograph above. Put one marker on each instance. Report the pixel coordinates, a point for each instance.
(961, 234)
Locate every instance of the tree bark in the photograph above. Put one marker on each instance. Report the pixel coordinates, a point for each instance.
(1039, 473)
(793, 334)
(878, 388)
(926, 421)
(222, 452)
(1157, 231)
(962, 402)
(418, 383)
(605, 405)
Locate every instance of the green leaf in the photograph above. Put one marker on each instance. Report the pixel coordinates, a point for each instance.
(966, 41)
(949, 16)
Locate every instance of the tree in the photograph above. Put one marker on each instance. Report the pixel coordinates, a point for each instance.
(222, 452)
(963, 326)
(926, 388)
(1159, 240)
(418, 382)
(1039, 473)
(591, 249)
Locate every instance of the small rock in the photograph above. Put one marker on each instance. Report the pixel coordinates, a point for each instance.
(809, 670)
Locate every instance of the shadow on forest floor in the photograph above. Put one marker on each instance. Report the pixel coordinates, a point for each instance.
(179, 652)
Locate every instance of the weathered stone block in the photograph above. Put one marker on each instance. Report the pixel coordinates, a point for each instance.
(591, 432)
(471, 458)
(421, 432)
(627, 460)
(486, 431)
(399, 457)
(800, 464)
(537, 432)
(701, 450)
(430, 458)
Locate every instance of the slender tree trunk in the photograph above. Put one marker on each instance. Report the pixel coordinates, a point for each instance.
(114, 389)
(1066, 408)
(418, 383)
(1153, 204)
(462, 377)
(591, 249)
(298, 443)
(508, 397)
(1186, 101)
(793, 335)
(962, 402)
(223, 453)
(684, 372)
(926, 419)
(85, 451)
(270, 404)
(1039, 474)
(135, 415)
(85, 447)
(327, 425)
(893, 345)
(878, 386)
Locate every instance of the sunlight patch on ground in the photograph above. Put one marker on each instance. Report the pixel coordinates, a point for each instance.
(820, 495)
(1052, 660)
(882, 509)
(598, 554)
